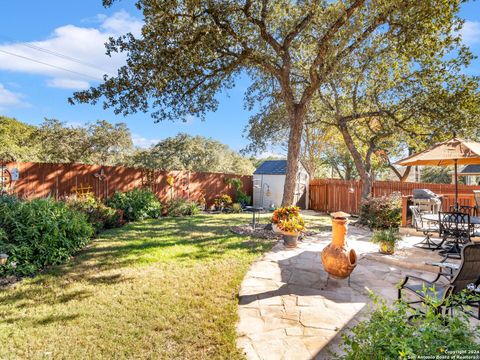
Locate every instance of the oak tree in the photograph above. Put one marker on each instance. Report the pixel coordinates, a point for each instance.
(190, 50)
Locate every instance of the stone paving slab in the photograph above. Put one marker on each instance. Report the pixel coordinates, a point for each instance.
(287, 310)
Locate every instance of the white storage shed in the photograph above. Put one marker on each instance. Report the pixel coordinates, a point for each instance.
(268, 182)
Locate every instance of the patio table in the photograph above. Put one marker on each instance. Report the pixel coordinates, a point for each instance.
(474, 220)
(454, 249)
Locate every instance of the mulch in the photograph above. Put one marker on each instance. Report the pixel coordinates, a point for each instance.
(263, 232)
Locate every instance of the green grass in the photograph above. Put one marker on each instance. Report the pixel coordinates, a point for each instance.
(157, 289)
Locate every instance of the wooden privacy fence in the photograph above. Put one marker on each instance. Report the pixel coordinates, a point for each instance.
(38, 180)
(328, 195)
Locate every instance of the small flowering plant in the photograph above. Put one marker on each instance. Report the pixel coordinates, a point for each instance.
(473, 288)
(285, 213)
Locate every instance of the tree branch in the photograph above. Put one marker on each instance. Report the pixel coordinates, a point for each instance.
(322, 47)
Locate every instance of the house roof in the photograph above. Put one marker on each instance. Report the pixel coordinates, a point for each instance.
(272, 167)
(471, 169)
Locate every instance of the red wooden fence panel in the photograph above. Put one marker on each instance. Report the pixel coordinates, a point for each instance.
(38, 180)
(328, 195)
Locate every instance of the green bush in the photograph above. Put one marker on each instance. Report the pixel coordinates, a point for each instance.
(240, 196)
(182, 207)
(389, 335)
(382, 212)
(223, 200)
(137, 204)
(39, 233)
(243, 198)
(8, 200)
(98, 214)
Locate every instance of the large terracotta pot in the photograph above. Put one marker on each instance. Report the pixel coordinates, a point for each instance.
(338, 260)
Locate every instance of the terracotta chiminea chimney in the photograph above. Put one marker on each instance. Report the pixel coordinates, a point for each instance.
(338, 260)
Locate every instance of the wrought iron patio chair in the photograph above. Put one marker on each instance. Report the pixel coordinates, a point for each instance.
(464, 209)
(426, 227)
(423, 290)
(455, 230)
(445, 268)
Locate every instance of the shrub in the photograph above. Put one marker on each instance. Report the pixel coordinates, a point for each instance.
(382, 212)
(240, 196)
(137, 204)
(244, 199)
(9, 200)
(98, 214)
(182, 207)
(389, 335)
(223, 200)
(39, 233)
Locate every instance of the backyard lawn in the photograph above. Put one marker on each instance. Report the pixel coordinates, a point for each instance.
(162, 288)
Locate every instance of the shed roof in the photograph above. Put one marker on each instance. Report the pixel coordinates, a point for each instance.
(471, 169)
(272, 167)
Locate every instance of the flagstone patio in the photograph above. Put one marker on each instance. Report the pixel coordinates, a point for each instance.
(288, 311)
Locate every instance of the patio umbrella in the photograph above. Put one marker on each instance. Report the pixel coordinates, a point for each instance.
(454, 152)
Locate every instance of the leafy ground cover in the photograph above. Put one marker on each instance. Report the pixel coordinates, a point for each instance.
(163, 288)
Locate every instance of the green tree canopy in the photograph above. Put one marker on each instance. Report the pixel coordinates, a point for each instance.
(383, 104)
(16, 143)
(94, 143)
(193, 153)
(190, 50)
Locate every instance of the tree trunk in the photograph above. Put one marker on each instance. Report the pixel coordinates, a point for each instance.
(294, 141)
(357, 159)
(402, 177)
(348, 172)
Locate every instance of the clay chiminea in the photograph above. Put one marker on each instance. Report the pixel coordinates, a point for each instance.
(338, 260)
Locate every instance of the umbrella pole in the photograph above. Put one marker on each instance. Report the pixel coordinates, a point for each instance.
(456, 185)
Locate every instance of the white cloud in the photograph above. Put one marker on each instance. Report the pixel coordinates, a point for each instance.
(471, 32)
(9, 98)
(120, 23)
(267, 154)
(143, 142)
(85, 44)
(65, 83)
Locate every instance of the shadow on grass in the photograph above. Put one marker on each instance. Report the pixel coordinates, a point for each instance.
(204, 237)
(173, 239)
(55, 318)
(40, 295)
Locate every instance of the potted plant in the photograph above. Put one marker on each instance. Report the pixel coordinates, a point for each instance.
(222, 201)
(283, 213)
(387, 240)
(291, 229)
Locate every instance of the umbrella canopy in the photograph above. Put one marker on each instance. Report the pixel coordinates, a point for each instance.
(451, 152)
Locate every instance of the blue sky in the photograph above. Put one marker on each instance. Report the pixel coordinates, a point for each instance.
(32, 91)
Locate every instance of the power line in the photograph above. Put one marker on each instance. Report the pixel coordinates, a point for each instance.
(60, 55)
(54, 53)
(51, 65)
